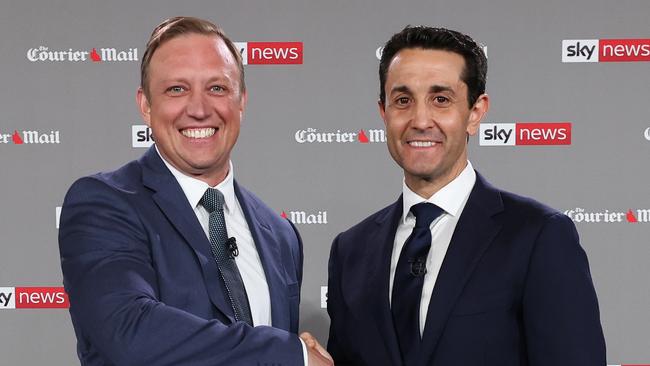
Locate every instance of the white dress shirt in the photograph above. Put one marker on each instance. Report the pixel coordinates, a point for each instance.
(248, 261)
(452, 199)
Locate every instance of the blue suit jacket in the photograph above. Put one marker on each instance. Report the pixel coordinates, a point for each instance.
(144, 288)
(514, 290)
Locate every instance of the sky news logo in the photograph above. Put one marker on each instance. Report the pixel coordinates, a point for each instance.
(312, 135)
(525, 133)
(605, 50)
(96, 55)
(580, 215)
(30, 137)
(305, 218)
(33, 298)
(141, 136)
(270, 53)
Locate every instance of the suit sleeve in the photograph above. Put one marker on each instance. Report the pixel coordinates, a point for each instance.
(560, 308)
(112, 284)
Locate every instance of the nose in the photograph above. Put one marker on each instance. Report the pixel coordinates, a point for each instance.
(197, 106)
(422, 118)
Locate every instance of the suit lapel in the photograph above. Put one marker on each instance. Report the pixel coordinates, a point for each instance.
(271, 257)
(473, 234)
(170, 198)
(379, 250)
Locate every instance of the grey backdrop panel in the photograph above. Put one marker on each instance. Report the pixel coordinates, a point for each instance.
(92, 106)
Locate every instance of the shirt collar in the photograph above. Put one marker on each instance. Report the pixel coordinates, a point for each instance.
(195, 188)
(451, 198)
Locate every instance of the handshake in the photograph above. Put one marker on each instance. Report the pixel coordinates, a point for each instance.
(317, 355)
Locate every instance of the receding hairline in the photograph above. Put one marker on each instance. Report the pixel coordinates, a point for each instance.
(184, 26)
(219, 42)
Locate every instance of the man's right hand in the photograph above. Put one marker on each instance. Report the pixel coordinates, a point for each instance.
(317, 359)
(317, 355)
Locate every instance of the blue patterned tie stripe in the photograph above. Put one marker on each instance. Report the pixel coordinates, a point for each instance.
(213, 201)
(409, 278)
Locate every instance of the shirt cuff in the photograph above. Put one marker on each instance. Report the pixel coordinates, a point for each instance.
(305, 357)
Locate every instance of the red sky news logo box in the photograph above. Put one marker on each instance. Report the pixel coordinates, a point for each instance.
(525, 133)
(33, 298)
(606, 50)
(271, 53)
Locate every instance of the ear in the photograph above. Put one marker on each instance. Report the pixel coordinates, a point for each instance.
(144, 106)
(382, 110)
(480, 107)
(242, 104)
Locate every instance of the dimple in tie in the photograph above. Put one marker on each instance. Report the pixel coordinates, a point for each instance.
(213, 200)
(409, 278)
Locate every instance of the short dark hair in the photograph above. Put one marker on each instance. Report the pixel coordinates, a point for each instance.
(178, 26)
(474, 74)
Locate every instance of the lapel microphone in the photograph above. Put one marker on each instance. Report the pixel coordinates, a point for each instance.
(418, 266)
(231, 245)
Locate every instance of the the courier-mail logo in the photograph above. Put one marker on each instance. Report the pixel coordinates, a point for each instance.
(525, 133)
(270, 53)
(605, 50)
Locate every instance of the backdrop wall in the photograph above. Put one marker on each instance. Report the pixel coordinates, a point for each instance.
(70, 69)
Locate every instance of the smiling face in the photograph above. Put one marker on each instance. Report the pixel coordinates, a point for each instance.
(195, 105)
(427, 117)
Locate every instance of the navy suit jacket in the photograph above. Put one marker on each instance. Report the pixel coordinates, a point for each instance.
(514, 290)
(143, 285)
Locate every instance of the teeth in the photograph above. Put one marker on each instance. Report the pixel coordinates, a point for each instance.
(421, 143)
(198, 133)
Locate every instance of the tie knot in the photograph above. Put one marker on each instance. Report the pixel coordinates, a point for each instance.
(425, 213)
(212, 200)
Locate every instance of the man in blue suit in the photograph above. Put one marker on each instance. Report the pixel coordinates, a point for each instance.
(455, 272)
(168, 260)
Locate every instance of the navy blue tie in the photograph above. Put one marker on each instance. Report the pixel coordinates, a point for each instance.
(213, 200)
(409, 278)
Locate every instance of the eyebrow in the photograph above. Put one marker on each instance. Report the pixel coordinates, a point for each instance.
(400, 89)
(182, 79)
(441, 88)
(432, 89)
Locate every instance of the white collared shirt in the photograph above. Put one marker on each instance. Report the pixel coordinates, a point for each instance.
(452, 199)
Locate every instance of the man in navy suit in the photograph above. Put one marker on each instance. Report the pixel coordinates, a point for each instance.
(455, 272)
(168, 260)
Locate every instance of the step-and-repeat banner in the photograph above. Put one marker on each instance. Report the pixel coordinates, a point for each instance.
(568, 125)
